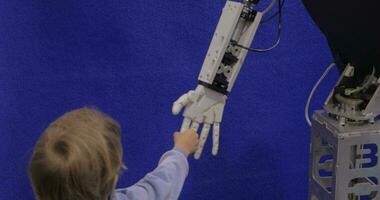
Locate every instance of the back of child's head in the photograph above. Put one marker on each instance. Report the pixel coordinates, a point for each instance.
(78, 157)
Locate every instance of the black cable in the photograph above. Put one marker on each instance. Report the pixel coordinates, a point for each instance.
(279, 30)
(274, 15)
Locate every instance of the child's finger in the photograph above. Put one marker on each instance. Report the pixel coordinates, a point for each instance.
(175, 135)
(195, 126)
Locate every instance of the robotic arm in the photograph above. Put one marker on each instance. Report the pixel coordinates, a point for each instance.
(204, 105)
(354, 44)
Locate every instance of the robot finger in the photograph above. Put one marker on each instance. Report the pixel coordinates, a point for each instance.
(219, 112)
(181, 102)
(202, 140)
(215, 138)
(185, 124)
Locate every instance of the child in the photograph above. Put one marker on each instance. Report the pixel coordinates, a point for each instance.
(79, 157)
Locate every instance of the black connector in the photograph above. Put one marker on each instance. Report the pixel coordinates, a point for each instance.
(249, 15)
(229, 59)
(254, 1)
(220, 84)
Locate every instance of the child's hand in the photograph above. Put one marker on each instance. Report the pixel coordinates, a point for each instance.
(186, 141)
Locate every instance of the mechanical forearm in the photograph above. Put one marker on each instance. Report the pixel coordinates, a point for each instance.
(237, 25)
(228, 49)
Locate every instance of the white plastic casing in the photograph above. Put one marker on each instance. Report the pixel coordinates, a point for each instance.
(222, 36)
(225, 30)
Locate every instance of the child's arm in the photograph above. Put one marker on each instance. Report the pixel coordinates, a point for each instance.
(166, 181)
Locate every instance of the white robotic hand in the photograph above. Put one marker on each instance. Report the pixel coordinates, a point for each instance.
(202, 106)
(228, 49)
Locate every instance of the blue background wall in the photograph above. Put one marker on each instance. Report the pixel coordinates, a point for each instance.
(132, 59)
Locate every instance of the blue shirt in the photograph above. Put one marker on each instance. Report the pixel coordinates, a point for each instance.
(163, 183)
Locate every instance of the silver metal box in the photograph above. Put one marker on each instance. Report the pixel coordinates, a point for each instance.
(344, 162)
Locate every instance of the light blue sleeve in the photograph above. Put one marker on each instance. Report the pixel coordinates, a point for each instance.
(164, 183)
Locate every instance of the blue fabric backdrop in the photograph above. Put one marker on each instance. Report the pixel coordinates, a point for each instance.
(132, 59)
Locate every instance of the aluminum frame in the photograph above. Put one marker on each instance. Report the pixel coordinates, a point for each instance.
(343, 160)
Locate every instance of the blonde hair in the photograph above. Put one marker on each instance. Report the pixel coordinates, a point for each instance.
(78, 157)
